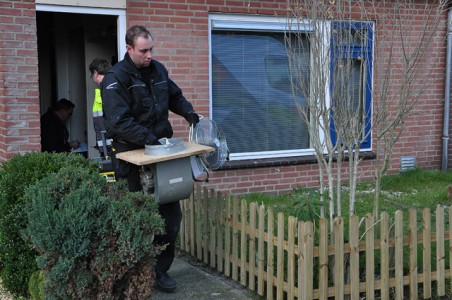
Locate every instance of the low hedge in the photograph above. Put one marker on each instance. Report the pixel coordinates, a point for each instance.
(95, 240)
(17, 256)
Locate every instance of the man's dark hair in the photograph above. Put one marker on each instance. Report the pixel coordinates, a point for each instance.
(64, 104)
(100, 65)
(134, 32)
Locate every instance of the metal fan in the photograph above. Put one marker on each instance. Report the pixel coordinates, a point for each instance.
(207, 133)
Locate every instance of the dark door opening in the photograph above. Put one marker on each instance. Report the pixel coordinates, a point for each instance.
(67, 43)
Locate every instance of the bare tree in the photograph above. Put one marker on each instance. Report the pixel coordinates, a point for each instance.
(333, 112)
(344, 40)
(311, 79)
(404, 70)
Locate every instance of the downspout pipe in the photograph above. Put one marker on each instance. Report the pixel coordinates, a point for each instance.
(446, 119)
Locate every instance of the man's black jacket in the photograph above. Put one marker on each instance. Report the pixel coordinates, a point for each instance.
(136, 111)
(54, 134)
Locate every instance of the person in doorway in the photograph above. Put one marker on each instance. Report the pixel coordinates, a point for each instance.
(54, 134)
(98, 68)
(138, 95)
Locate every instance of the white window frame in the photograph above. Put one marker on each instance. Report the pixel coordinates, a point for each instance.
(251, 23)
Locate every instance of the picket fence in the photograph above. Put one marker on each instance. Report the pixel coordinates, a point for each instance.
(384, 258)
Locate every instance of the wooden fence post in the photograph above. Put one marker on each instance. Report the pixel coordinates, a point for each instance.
(260, 252)
(212, 228)
(370, 257)
(384, 261)
(338, 258)
(292, 226)
(235, 239)
(205, 239)
(270, 251)
(252, 248)
(227, 238)
(220, 232)
(323, 259)
(398, 235)
(243, 242)
(354, 257)
(187, 217)
(450, 246)
(413, 253)
(427, 262)
(305, 260)
(280, 259)
(192, 224)
(198, 223)
(440, 255)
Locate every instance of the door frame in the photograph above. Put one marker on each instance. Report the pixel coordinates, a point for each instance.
(120, 13)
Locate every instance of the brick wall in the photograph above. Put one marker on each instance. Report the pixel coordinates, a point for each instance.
(180, 29)
(19, 90)
(423, 128)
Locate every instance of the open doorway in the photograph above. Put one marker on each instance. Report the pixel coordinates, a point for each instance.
(67, 43)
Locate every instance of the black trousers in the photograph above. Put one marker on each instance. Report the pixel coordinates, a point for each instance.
(171, 213)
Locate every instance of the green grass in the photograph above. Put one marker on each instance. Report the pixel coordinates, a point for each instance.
(412, 189)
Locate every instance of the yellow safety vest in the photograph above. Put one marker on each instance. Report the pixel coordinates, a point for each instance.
(98, 120)
(97, 104)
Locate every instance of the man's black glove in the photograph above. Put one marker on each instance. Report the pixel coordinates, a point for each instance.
(154, 143)
(192, 118)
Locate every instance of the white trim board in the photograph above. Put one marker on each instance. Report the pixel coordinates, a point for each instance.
(120, 13)
(86, 3)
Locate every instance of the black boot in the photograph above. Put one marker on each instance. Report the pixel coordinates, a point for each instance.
(164, 282)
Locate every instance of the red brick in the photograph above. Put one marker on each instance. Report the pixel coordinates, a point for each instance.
(143, 4)
(10, 11)
(24, 20)
(30, 147)
(30, 131)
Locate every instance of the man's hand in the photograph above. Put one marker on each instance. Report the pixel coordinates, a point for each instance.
(156, 142)
(192, 118)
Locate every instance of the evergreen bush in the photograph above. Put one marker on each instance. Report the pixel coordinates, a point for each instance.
(95, 239)
(17, 256)
(36, 285)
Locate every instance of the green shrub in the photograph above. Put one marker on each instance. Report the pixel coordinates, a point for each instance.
(95, 239)
(17, 257)
(36, 285)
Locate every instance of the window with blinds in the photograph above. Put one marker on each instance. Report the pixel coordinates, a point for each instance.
(252, 99)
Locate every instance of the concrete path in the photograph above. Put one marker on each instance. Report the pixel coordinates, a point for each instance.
(195, 283)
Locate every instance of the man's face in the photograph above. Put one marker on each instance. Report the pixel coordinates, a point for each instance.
(141, 52)
(97, 78)
(65, 114)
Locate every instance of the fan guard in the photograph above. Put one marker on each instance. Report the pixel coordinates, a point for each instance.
(208, 134)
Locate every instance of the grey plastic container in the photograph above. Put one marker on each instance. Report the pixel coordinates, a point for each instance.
(173, 180)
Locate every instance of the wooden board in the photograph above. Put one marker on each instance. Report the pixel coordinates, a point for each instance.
(137, 157)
